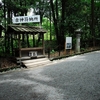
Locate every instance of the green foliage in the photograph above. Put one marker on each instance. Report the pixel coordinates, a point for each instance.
(83, 49)
(46, 25)
(52, 51)
(60, 19)
(2, 48)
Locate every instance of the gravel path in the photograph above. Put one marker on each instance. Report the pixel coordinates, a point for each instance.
(73, 78)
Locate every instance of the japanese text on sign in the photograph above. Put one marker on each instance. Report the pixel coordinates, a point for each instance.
(68, 43)
(26, 19)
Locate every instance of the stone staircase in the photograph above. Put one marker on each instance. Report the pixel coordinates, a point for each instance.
(36, 62)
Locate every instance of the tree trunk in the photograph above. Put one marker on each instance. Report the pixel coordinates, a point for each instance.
(62, 27)
(92, 22)
(55, 21)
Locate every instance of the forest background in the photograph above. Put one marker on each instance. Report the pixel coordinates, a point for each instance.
(59, 17)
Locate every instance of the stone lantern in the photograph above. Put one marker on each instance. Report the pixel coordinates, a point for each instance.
(78, 33)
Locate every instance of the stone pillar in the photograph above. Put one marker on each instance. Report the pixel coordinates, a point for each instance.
(78, 43)
(78, 36)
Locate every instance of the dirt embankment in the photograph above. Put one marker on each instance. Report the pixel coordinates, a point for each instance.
(6, 63)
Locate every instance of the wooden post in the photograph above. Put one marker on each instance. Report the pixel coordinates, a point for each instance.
(65, 48)
(33, 40)
(12, 44)
(5, 42)
(23, 40)
(8, 44)
(27, 39)
(19, 45)
(43, 44)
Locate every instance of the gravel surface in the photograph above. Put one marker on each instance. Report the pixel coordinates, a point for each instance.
(73, 78)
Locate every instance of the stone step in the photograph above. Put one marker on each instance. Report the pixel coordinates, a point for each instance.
(34, 63)
(34, 60)
(38, 65)
(20, 59)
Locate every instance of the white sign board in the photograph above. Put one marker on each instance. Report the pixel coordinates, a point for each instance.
(26, 19)
(68, 43)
